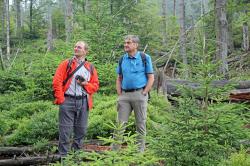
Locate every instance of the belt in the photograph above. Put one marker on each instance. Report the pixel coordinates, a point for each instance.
(132, 90)
(74, 97)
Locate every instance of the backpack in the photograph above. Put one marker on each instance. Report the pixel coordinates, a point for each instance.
(91, 70)
(143, 58)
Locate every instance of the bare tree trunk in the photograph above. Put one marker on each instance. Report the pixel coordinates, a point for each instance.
(1, 58)
(68, 20)
(49, 34)
(164, 23)
(3, 20)
(222, 35)
(18, 18)
(174, 7)
(31, 17)
(7, 30)
(245, 37)
(230, 42)
(87, 6)
(183, 36)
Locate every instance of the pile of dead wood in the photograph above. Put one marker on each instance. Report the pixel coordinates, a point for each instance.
(241, 90)
(24, 156)
(17, 156)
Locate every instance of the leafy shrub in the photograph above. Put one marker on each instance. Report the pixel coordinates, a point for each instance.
(192, 137)
(128, 155)
(11, 83)
(38, 126)
(107, 77)
(7, 101)
(28, 109)
(241, 158)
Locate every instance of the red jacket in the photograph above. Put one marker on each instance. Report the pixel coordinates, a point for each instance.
(61, 75)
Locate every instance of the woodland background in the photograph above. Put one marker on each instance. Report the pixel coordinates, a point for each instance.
(196, 40)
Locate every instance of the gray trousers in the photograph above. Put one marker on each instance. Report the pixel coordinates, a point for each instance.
(73, 115)
(129, 101)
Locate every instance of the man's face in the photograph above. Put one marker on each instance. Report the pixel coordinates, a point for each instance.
(130, 46)
(80, 49)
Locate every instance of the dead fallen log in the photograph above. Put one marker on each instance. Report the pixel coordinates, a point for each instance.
(14, 150)
(241, 92)
(30, 160)
(240, 95)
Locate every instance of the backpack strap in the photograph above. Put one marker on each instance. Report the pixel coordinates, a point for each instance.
(72, 73)
(69, 64)
(120, 64)
(91, 69)
(143, 58)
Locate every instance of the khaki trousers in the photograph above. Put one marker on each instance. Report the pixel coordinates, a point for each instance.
(137, 102)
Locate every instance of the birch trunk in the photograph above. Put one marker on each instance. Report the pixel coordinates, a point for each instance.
(245, 37)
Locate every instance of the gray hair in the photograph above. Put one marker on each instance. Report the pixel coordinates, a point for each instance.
(86, 46)
(134, 38)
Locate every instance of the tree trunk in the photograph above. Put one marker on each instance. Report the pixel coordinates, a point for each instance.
(18, 18)
(3, 20)
(31, 15)
(15, 150)
(174, 7)
(7, 30)
(245, 37)
(30, 160)
(242, 88)
(183, 37)
(68, 20)
(221, 36)
(164, 23)
(87, 6)
(1, 58)
(49, 33)
(111, 7)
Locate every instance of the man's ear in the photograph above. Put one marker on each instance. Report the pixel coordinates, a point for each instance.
(137, 45)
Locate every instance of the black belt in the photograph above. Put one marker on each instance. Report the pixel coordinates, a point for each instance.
(74, 97)
(132, 90)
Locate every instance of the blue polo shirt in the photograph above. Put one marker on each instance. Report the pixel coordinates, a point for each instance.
(134, 71)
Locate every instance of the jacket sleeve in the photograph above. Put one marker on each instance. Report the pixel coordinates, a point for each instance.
(58, 83)
(93, 85)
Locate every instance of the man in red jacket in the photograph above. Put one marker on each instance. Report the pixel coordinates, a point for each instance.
(74, 84)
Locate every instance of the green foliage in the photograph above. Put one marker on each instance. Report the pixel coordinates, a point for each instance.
(200, 130)
(10, 82)
(38, 126)
(128, 155)
(107, 78)
(241, 158)
(41, 145)
(7, 101)
(28, 109)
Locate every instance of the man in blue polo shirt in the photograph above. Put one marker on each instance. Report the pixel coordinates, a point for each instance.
(135, 79)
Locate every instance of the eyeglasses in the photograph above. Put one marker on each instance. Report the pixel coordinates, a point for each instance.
(129, 42)
(79, 47)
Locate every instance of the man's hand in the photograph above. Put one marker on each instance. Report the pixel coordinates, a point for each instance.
(144, 93)
(84, 83)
